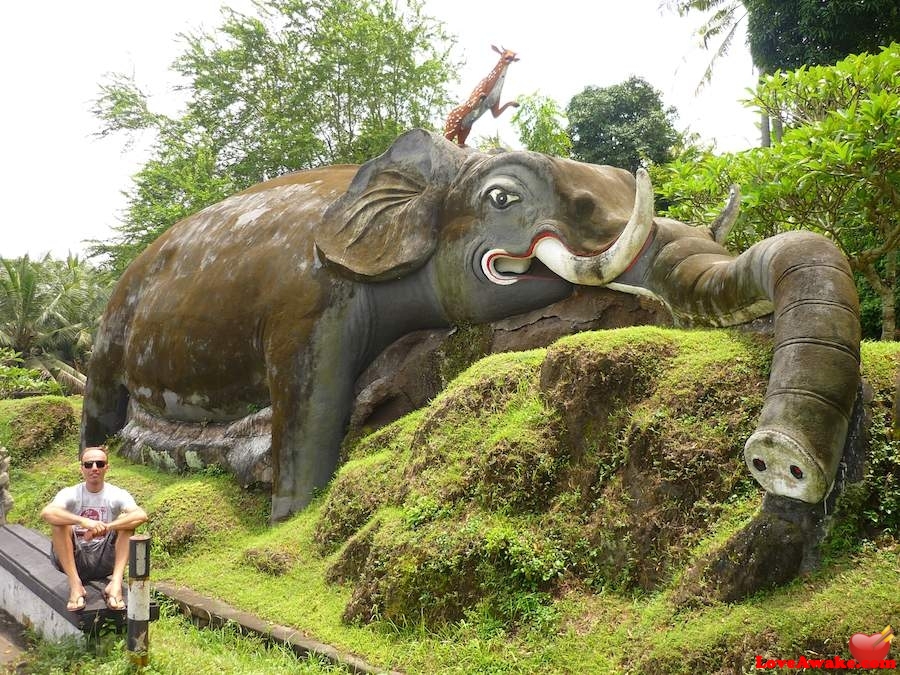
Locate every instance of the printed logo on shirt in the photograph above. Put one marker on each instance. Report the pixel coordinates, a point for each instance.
(97, 513)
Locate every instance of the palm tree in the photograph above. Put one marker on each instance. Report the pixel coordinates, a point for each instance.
(723, 19)
(48, 311)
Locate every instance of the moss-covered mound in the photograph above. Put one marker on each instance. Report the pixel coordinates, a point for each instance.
(33, 426)
(601, 461)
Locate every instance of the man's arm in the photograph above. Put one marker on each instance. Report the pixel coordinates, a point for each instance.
(128, 519)
(57, 515)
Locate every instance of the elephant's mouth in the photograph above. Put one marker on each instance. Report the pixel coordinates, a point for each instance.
(504, 268)
(596, 268)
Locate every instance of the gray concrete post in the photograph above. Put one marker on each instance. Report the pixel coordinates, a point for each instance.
(139, 600)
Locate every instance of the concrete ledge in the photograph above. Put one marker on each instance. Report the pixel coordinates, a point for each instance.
(209, 612)
(31, 611)
(34, 592)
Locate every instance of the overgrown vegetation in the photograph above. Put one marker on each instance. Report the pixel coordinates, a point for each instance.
(836, 171)
(597, 463)
(15, 380)
(535, 517)
(37, 425)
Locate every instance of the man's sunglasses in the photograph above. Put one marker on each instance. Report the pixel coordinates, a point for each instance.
(99, 463)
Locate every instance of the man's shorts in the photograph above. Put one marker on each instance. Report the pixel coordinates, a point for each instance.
(93, 559)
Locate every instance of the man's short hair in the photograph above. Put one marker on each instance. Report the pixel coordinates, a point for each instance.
(102, 448)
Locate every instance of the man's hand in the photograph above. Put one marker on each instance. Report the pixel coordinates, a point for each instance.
(93, 528)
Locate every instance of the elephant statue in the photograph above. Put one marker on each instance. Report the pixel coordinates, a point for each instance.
(280, 295)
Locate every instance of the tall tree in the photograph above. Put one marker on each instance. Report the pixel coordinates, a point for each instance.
(786, 35)
(625, 125)
(300, 84)
(719, 27)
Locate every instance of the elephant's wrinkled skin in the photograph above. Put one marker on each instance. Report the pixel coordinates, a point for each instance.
(280, 295)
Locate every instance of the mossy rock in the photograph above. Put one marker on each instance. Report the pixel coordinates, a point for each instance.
(275, 561)
(435, 574)
(190, 513)
(609, 460)
(37, 426)
(360, 489)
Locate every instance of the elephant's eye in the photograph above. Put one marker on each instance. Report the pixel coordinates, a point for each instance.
(501, 198)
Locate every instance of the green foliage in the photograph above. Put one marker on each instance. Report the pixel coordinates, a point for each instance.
(197, 512)
(49, 310)
(837, 170)
(177, 647)
(799, 33)
(15, 379)
(300, 84)
(273, 561)
(498, 565)
(541, 124)
(625, 125)
(549, 465)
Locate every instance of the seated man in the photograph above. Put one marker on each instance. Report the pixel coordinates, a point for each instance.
(91, 523)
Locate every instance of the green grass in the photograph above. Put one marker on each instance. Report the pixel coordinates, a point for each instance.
(452, 494)
(177, 648)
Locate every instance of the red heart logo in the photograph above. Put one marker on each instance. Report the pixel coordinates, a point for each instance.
(872, 647)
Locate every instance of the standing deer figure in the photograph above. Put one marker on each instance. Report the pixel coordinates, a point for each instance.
(485, 97)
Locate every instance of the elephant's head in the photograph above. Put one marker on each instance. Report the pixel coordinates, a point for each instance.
(509, 232)
(478, 220)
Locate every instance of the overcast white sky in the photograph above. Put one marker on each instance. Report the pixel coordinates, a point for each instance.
(61, 185)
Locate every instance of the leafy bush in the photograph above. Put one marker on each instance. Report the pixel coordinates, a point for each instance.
(14, 378)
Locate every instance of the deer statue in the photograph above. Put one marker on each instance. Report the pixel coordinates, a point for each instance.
(485, 97)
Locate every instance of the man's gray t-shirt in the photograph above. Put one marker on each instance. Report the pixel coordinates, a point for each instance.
(104, 506)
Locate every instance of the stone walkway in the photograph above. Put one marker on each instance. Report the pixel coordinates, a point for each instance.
(207, 612)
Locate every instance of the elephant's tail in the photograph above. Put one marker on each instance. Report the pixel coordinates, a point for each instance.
(806, 282)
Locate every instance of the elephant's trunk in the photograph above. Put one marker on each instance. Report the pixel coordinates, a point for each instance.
(806, 282)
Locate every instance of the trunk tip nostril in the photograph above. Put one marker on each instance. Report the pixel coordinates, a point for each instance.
(796, 472)
(758, 464)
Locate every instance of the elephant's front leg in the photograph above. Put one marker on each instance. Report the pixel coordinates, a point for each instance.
(311, 385)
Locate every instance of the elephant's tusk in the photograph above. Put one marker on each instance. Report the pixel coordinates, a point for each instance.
(601, 268)
(721, 226)
(597, 269)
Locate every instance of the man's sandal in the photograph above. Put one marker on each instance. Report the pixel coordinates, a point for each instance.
(113, 603)
(75, 605)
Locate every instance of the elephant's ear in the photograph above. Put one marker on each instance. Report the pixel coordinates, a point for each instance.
(385, 225)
